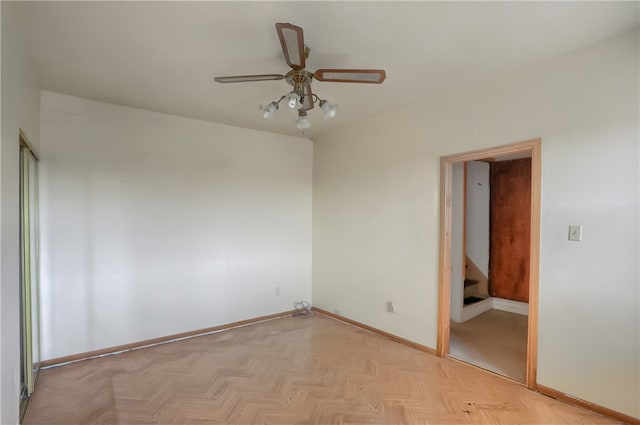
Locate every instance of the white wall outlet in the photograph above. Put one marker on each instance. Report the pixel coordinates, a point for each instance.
(277, 291)
(390, 307)
(575, 232)
(336, 311)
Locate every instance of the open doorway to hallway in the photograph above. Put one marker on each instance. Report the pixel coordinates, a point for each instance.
(489, 301)
(489, 259)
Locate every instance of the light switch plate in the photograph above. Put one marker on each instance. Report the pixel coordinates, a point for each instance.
(575, 232)
(390, 307)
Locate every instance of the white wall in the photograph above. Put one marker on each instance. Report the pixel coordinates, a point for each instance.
(477, 226)
(154, 224)
(20, 110)
(376, 218)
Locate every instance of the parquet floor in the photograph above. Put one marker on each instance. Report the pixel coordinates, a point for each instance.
(287, 371)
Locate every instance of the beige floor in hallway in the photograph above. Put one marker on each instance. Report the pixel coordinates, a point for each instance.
(495, 340)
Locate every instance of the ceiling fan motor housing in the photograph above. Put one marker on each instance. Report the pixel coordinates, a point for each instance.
(299, 78)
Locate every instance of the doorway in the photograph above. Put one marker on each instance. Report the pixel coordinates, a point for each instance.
(491, 212)
(455, 266)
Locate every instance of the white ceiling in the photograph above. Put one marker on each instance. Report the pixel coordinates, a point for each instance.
(162, 56)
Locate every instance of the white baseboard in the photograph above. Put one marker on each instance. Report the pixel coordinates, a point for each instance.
(471, 311)
(475, 309)
(510, 306)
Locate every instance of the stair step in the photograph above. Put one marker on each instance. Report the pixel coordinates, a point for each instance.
(472, 300)
(470, 282)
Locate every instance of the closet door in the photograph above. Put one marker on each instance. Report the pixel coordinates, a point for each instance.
(29, 290)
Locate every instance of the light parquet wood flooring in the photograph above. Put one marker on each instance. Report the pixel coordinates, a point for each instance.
(287, 371)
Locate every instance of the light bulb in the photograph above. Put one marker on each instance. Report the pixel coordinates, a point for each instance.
(303, 122)
(293, 100)
(328, 109)
(269, 111)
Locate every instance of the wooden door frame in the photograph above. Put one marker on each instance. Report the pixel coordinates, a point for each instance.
(444, 278)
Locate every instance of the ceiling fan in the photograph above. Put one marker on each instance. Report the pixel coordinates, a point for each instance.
(301, 98)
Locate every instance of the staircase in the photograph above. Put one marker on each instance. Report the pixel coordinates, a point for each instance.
(471, 292)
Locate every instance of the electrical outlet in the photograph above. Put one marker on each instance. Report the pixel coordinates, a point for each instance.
(277, 291)
(575, 232)
(336, 311)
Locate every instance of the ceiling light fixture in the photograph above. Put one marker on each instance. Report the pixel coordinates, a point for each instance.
(301, 99)
(302, 104)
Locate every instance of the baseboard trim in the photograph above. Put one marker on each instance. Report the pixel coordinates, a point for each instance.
(559, 395)
(475, 309)
(511, 306)
(161, 340)
(377, 331)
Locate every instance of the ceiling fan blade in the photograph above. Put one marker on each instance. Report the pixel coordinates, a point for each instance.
(292, 41)
(244, 78)
(371, 76)
(308, 98)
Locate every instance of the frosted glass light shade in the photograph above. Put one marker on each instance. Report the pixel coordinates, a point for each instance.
(303, 122)
(269, 111)
(293, 100)
(328, 109)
